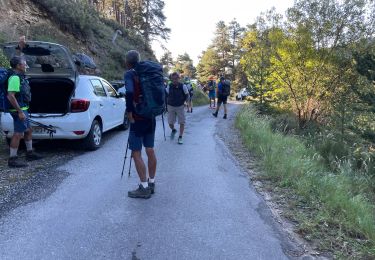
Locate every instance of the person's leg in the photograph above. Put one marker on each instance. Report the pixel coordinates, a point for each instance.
(151, 168)
(219, 101)
(182, 129)
(139, 165)
(152, 162)
(181, 121)
(135, 145)
(19, 128)
(225, 99)
(14, 144)
(148, 143)
(171, 117)
(30, 154)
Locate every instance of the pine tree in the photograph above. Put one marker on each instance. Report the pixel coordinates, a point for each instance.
(148, 19)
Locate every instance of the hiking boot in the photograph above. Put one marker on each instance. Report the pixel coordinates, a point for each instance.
(180, 140)
(14, 162)
(173, 133)
(214, 114)
(225, 116)
(141, 192)
(33, 156)
(151, 186)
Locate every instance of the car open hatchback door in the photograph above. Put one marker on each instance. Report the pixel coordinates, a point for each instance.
(52, 75)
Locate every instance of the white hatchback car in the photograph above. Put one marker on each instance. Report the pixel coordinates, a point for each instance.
(76, 106)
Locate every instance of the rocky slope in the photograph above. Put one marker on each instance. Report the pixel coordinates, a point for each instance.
(30, 18)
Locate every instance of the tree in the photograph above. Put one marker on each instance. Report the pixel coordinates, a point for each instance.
(222, 46)
(209, 64)
(235, 34)
(167, 61)
(256, 62)
(148, 19)
(184, 65)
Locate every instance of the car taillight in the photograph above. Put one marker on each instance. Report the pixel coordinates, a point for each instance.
(79, 105)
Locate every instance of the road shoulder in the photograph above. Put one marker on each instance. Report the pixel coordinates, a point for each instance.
(273, 208)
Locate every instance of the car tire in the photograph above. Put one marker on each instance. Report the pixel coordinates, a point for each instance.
(125, 124)
(94, 139)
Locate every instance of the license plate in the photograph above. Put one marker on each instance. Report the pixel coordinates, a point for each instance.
(38, 130)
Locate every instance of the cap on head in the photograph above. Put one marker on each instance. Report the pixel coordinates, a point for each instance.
(16, 60)
(132, 57)
(222, 78)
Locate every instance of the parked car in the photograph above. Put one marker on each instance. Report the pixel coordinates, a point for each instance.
(77, 106)
(242, 94)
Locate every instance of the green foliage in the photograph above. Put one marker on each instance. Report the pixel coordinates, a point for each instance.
(92, 34)
(340, 199)
(208, 65)
(184, 65)
(199, 98)
(76, 16)
(167, 61)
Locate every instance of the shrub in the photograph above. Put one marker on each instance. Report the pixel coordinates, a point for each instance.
(341, 199)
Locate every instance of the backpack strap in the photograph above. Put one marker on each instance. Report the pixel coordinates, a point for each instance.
(137, 88)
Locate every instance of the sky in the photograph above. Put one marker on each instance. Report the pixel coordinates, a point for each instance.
(193, 22)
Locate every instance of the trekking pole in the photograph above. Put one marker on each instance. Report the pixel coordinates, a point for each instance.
(130, 165)
(162, 119)
(50, 129)
(126, 156)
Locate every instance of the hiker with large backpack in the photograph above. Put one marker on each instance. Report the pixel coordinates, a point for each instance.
(223, 91)
(145, 99)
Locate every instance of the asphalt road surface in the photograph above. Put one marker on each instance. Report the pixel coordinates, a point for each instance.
(203, 208)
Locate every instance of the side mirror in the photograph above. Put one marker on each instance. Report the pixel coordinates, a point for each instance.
(121, 95)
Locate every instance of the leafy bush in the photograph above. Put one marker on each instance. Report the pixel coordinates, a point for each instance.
(199, 98)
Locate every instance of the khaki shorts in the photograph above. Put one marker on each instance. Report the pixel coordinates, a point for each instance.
(174, 112)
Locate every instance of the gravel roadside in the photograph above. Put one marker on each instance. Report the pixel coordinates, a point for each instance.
(24, 185)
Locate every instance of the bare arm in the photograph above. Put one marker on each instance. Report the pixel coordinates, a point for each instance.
(13, 101)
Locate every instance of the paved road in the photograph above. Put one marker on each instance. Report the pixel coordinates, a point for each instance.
(204, 207)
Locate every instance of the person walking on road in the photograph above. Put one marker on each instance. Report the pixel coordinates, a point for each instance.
(211, 85)
(190, 89)
(223, 91)
(177, 94)
(19, 96)
(142, 132)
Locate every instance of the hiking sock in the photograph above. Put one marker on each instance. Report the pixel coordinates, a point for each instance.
(151, 180)
(144, 184)
(29, 145)
(13, 152)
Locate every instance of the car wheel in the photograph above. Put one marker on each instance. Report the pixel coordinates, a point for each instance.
(94, 139)
(125, 124)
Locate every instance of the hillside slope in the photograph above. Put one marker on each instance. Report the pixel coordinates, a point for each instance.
(73, 25)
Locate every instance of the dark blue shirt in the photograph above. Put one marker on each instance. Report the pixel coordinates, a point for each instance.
(129, 86)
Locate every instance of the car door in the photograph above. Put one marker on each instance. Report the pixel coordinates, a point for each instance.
(117, 104)
(103, 105)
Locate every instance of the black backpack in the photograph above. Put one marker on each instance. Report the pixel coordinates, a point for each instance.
(152, 89)
(225, 91)
(4, 76)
